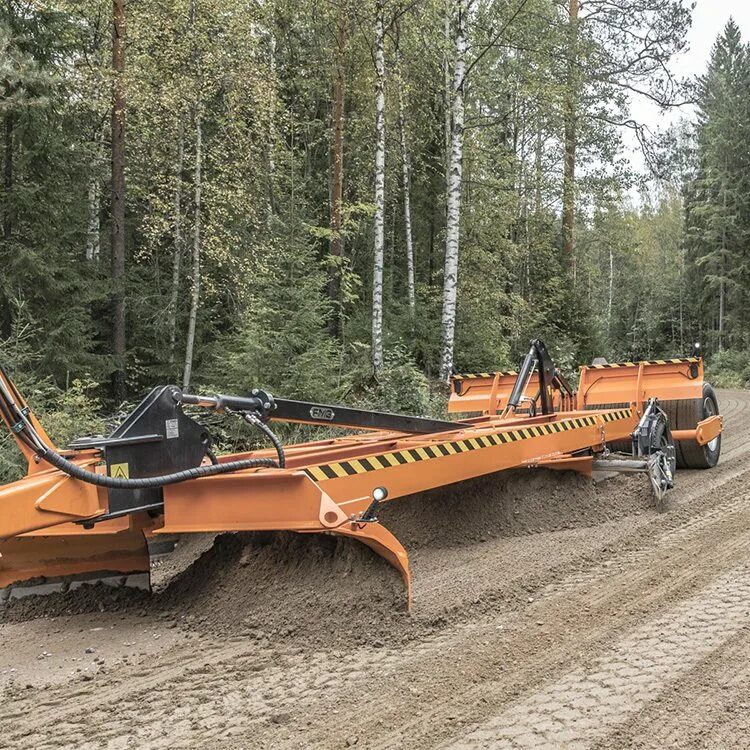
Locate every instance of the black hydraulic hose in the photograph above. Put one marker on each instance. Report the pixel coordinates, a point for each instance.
(7, 407)
(269, 433)
(120, 483)
(34, 442)
(8, 417)
(13, 414)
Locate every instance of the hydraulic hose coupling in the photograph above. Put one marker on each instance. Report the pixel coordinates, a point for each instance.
(260, 402)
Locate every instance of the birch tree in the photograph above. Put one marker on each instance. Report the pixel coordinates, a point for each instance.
(405, 183)
(177, 249)
(195, 286)
(570, 140)
(93, 233)
(98, 105)
(406, 187)
(379, 250)
(8, 148)
(453, 205)
(273, 86)
(336, 242)
(195, 289)
(118, 199)
(447, 45)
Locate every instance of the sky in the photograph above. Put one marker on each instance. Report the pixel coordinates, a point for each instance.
(709, 19)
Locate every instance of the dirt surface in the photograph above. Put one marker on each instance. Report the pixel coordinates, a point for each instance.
(548, 612)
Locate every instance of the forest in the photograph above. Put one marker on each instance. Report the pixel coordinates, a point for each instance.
(346, 201)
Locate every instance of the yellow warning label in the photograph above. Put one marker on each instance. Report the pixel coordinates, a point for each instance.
(121, 471)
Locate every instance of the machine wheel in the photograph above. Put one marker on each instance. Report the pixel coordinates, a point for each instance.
(662, 464)
(684, 414)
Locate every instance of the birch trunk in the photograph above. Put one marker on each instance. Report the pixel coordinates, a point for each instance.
(538, 166)
(447, 83)
(722, 271)
(177, 251)
(93, 232)
(118, 200)
(377, 275)
(270, 208)
(336, 244)
(10, 119)
(681, 287)
(450, 283)
(611, 290)
(570, 138)
(195, 293)
(94, 227)
(721, 308)
(406, 185)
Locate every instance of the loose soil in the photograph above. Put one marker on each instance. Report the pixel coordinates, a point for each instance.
(548, 612)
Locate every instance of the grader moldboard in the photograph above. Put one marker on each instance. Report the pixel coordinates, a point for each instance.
(85, 513)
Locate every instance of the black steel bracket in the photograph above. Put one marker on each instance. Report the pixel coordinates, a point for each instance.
(548, 377)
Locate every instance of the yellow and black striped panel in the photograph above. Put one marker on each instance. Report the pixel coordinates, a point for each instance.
(644, 361)
(475, 375)
(613, 416)
(601, 407)
(353, 466)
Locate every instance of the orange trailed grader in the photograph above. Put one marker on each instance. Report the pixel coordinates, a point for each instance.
(85, 512)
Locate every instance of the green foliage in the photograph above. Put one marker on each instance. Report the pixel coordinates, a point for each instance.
(64, 413)
(400, 386)
(717, 197)
(72, 412)
(729, 369)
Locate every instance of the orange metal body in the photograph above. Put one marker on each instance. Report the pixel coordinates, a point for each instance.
(488, 392)
(69, 554)
(599, 386)
(704, 433)
(327, 485)
(636, 382)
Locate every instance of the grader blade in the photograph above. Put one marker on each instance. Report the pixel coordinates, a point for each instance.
(42, 564)
(385, 544)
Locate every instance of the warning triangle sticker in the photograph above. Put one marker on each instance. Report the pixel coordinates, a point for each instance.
(120, 471)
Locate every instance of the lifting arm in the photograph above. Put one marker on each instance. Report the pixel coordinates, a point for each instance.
(537, 356)
(266, 407)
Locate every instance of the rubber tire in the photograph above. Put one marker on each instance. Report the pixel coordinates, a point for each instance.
(684, 414)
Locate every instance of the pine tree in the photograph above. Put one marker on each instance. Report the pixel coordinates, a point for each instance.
(718, 199)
